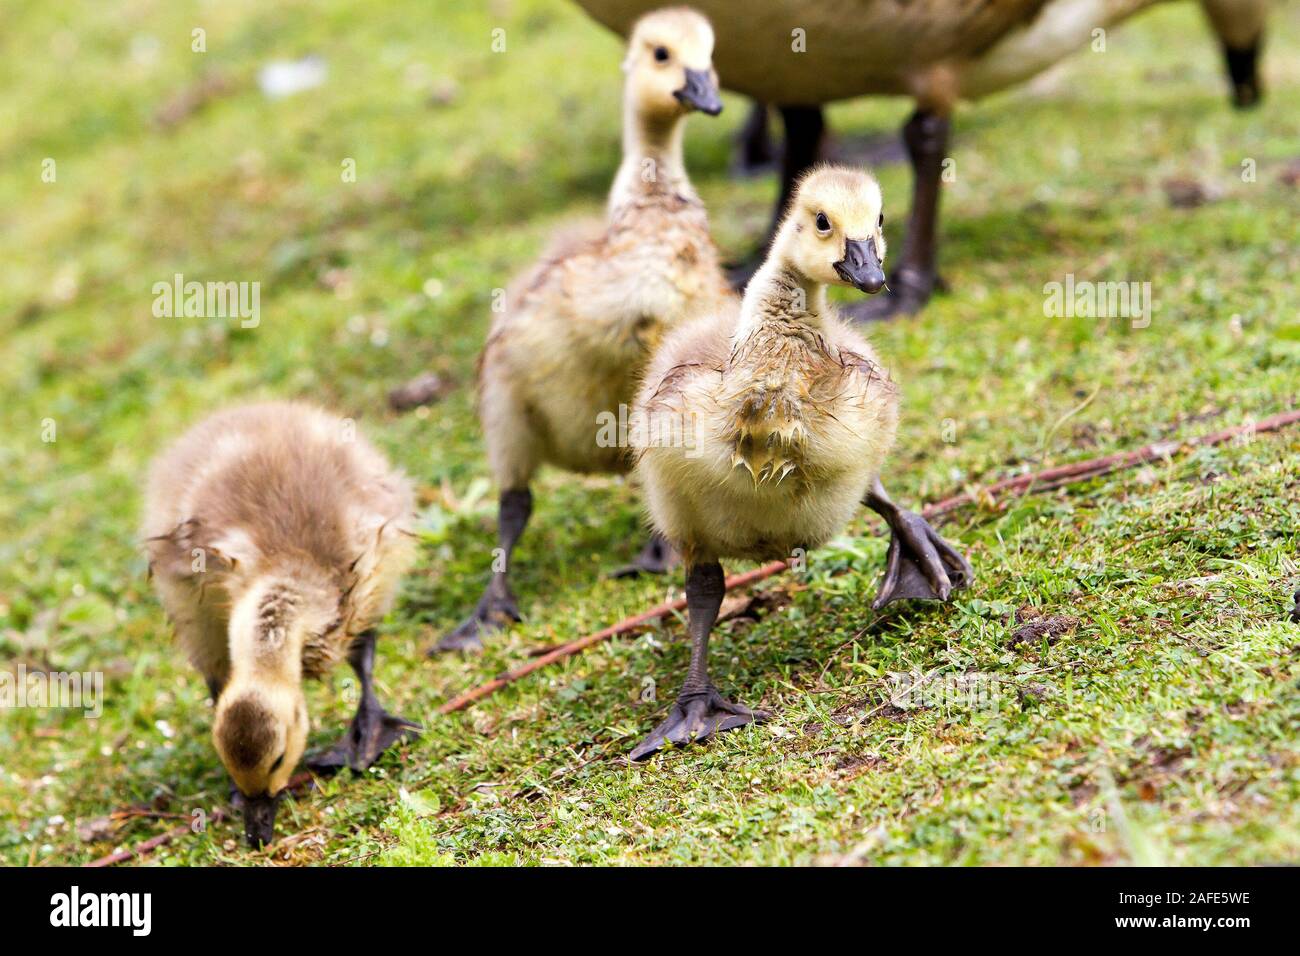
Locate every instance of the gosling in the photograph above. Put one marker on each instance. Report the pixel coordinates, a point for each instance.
(565, 356)
(788, 416)
(276, 537)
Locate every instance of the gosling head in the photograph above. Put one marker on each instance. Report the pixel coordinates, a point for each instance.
(832, 233)
(260, 732)
(669, 65)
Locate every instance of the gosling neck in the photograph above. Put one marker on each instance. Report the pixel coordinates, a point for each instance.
(781, 299)
(268, 627)
(652, 158)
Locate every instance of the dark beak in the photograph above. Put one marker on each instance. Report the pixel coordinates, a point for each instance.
(860, 266)
(259, 820)
(700, 93)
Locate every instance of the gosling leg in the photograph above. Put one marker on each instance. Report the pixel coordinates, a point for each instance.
(920, 564)
(373, 729)
(700, 711)
(657, 557)
(925, 135)
(496, 608)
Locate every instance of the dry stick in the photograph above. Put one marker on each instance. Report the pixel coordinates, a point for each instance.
(151, 844)
(1092, 467)
(1046, 479)
(622, 627)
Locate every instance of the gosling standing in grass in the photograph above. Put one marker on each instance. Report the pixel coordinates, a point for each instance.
(569, 350)
(276, 538)
(790, 417)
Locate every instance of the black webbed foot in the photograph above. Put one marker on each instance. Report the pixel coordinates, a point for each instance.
(921, 564)
(906, 293)
(1295, 606)
(696, 717)
(657, 557)
(373, 730)
(494, 612)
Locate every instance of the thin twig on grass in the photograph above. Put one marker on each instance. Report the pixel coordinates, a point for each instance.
(1040, 480)
(461, 701)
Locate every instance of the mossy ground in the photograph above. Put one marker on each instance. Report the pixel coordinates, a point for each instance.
(1162, 728)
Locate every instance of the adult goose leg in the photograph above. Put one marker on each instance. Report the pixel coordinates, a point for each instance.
(699, 711)
(1239, 25)
(805, 135)
(920, 564)
(496, 608)
(926, 137)
(754, 152)
(373, 729)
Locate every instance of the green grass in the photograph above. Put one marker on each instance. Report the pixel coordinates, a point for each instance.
(1161, 729)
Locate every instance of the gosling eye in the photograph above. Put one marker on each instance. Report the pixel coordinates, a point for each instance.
(823, 225)
(662, 54)
(881, 223)
(278, 761)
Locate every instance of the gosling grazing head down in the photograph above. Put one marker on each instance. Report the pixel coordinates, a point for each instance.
(260, 729)
(669, 66)
(276, 538)
(833, 232)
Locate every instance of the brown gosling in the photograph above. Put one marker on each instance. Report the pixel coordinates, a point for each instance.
(565, 356)
(781, 417)
(276, 538)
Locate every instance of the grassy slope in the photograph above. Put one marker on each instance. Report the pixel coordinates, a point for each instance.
(1162, 729)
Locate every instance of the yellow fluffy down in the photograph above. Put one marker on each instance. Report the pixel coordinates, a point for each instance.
(757, 447)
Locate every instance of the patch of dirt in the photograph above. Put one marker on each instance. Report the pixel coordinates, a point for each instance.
(1036, 629)
(856, 765)
(1290, 174)
(1083, 792)
(193, 98)
(1034, 693)
(876, 709)
(1184, 193)
(1164, 764)
(421, 390)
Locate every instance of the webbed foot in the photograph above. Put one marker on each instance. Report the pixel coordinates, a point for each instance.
(494, 612)
(1295, 606)
(921, 564)
(696, 717)
(373, 730)
(657, 557)
(906, 293)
